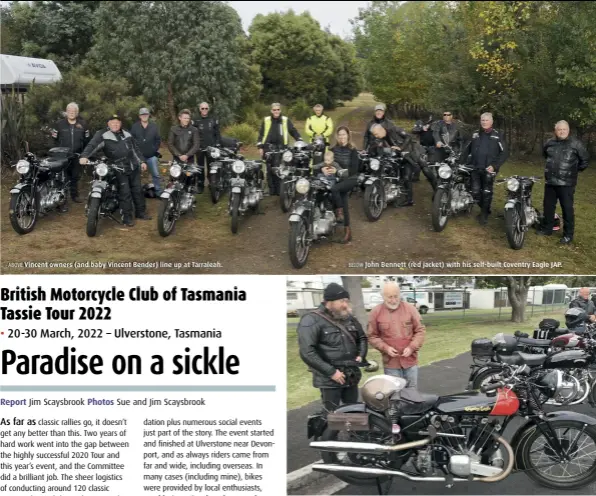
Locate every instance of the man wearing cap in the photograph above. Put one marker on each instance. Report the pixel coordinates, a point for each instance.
(209, 135)
(396, 330)
(379, 118)
(319, 124)
(146, 134)
(120, 148)
(331, 340)
(446, 132)
(72, 133)
(275, 131)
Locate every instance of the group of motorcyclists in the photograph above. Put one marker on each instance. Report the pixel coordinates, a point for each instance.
(188, 141)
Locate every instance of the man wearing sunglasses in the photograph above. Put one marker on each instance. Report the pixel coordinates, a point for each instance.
(275, 131)
(209, 135)
(446, 132)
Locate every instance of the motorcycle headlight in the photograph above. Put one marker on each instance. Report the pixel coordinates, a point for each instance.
(512, 184)
(302, 186)
(375, 164)
(287, 156)
(101, 170)
(215, 153)
(23, 167)
(175, 170)
(238, 167)
(445, 172)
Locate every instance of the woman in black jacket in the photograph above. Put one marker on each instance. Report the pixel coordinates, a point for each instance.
(346, 155)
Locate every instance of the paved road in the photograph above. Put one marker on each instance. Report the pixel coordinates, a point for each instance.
(453, 375)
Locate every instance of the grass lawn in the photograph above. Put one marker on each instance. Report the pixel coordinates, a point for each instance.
(444, 339)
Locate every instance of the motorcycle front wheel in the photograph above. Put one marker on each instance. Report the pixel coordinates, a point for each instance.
(23, 215)
(93, 216)
(215, 190)
(235, 212)
(440, 210)
(380, 432)
(166, 219)
(299, 247)
(542, 463)
(373, 201)
(286, 196)
(515, 235)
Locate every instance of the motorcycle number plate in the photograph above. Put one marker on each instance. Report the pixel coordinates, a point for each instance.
(236, 189)
(213, 171)
(369, 181)
(100, 184)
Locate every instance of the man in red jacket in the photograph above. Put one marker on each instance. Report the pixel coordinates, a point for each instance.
(396, 330)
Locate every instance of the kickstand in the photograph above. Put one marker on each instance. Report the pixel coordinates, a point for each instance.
(383, 492)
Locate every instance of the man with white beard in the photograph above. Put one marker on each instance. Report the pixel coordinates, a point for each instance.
(395, 329)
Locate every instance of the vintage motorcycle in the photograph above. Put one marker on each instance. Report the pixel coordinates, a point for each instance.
(42, 188)
(454, 190)
(219, 171)
(295, 163)
(246, 192)
(178, 198)
(103, 199)
(399, 432)
(383, 183)
(312, 217)
(520, 214)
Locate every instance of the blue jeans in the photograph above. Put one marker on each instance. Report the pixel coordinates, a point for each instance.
(410, 375)
(153, 166)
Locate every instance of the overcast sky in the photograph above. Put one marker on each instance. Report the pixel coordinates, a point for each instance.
(336, 15)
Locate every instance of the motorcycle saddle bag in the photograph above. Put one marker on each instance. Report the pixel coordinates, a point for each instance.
(549, 324)
(482, 347)
(348, 421)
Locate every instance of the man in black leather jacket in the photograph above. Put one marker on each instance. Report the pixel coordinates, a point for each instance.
(120, 148)
(209, 135)
(328, 338)
(583, 301)
(446, 132)
(183, 140)
(486, 153)
(565, 156)
(379, 118)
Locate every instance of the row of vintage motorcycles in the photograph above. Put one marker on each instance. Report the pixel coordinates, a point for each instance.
(43, 188)
(517, 383)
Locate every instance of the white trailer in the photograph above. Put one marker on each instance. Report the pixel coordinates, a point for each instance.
(20, 72)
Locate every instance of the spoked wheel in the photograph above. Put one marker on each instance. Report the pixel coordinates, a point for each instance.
(513, 227)
(166, 216)
(299, 245)
(93, 216)
(373, 201)
(286, 196)
(380, 433)
(235, 212)
(440, 210)
(575, 467)
(23, 214)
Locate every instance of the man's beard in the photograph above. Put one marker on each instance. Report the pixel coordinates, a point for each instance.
(392, 306)
(345, 315)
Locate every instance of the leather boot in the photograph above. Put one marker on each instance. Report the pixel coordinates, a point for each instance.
(339, 215)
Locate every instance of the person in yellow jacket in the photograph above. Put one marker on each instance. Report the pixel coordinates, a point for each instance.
(319, 124)
(275, 131)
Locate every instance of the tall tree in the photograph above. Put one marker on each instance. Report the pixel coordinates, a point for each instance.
(180, 53)
(353, 285)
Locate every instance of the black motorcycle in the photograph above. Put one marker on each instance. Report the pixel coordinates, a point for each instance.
(520, 214)
(246, 192)
(400, 432)
(312, 218)
(42, 188)
(295, 163)
(454, 190)
(219, 171)
(178, 198)
(383, 183)
(103, 200)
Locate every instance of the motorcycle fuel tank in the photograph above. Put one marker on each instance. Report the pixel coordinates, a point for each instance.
(504, 403)
(569, 359)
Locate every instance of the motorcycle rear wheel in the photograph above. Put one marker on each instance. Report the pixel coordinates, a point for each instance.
(562, 428)
(515, 236)
(439, 217)
(298, 248)
(332, 458)
(165, 224)
(93, 216)
(17, 207)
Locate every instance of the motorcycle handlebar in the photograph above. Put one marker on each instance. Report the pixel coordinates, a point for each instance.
(492, 387)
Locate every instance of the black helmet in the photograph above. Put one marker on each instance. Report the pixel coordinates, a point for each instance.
(575, 317)
(149, 190)
(418, 127)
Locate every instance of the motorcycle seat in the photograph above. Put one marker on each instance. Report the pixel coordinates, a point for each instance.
(413, 402)
(540, 343)
(519, 358)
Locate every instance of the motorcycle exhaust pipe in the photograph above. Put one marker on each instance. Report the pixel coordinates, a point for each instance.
(349, 447)
(342, 469)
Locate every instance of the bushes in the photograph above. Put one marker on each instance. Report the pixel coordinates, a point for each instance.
(13, 126)
(300, 111)
(242, 132)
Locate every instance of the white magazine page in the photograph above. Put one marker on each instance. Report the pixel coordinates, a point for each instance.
(128, 385)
